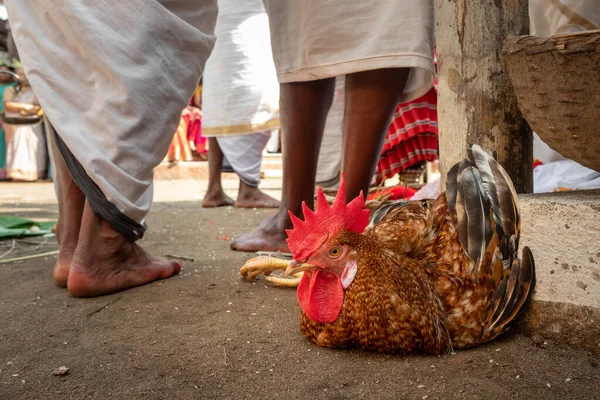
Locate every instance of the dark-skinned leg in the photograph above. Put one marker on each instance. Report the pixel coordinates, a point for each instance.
(370, 101)
(215, 196)
(304, 107)
(71, 202)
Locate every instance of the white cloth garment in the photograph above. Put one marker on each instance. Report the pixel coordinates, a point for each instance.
(329, 164)
(551, 17)
(315, 39)
(244, 154)
(26, 153)
(112, 77)
(564, 175)
(240, 92)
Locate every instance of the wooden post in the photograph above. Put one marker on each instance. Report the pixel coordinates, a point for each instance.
(477, 104)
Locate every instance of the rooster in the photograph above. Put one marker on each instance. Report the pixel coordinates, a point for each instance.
(411, 276)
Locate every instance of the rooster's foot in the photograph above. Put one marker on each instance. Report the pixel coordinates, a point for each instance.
(266, 265)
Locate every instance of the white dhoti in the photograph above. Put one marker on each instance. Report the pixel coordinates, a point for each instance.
(26, 156)
(314, 39)
(112, 77)
(244, 154)
(240, 93)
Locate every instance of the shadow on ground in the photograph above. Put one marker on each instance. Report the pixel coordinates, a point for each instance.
(208, 334)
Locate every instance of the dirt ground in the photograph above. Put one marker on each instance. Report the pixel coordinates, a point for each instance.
(208, 334)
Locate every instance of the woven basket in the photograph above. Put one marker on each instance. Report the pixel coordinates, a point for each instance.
(557, 82)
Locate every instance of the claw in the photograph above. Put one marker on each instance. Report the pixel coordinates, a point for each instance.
(262, 265)
(265, 265)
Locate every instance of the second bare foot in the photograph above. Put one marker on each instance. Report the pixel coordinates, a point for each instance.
(216, 199)
(104, 262)
(269, 236)
(250, 197)
(63, 262)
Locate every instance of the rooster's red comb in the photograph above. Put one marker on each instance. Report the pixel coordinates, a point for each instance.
(326, 221)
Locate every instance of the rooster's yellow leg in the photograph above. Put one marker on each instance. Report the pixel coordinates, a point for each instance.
(285, 282)
(265, 265)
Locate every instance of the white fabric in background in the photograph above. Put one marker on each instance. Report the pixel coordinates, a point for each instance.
(112, 77)
(431, 191)
(26, 153)
(315, 39)
(244, 154)
(550, 17)
(240, 92)
(564, 175)
(329, 164)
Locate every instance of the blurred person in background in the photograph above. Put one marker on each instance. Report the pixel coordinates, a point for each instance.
(240, 98)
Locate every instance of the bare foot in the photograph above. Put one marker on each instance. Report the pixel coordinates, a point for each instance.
(269, 236)
(216, 198)
(252, 197)
(104, 262)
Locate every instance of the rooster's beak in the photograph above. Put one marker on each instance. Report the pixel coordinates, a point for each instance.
(294, 267)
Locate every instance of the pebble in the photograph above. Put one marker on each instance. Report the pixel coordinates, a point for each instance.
(61, 371)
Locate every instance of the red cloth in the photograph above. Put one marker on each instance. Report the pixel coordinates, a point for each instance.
(411, 138)
(394, 193)
(193, 119)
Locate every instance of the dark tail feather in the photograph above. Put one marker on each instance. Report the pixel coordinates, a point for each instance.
(452, 187)
(501, 192)
(511, 295)
(473, 208)
(486, 206)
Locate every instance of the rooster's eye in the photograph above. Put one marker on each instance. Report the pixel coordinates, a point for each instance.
(335, 252)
